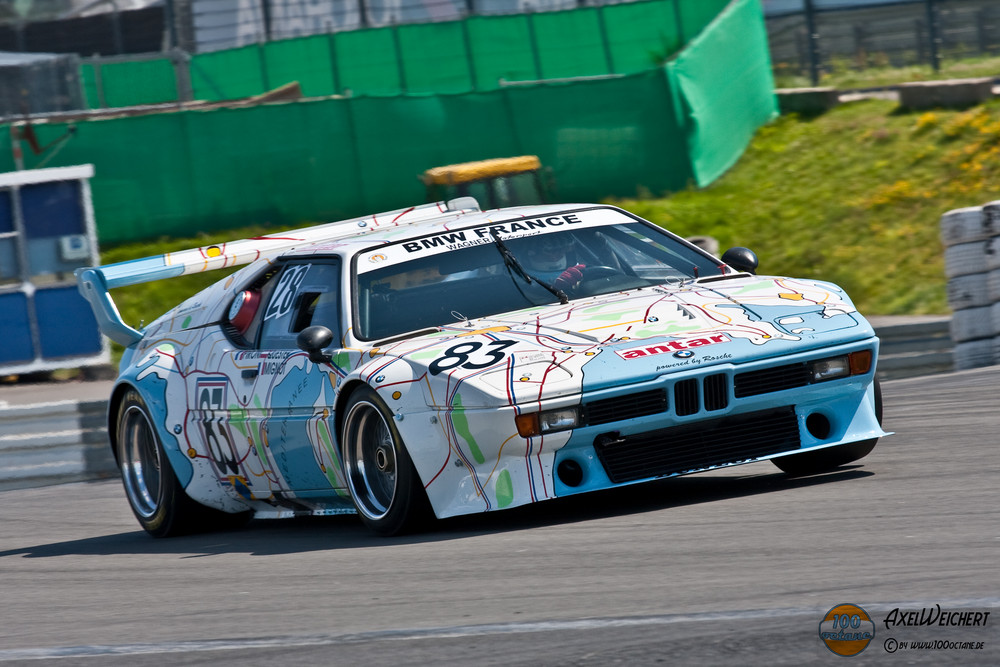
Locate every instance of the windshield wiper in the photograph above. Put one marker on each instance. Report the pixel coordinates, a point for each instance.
(512, 263)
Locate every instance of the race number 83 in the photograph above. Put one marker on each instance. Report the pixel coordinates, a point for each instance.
(471, 356)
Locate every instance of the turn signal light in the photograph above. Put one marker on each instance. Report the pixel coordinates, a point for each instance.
(861, 362)
(549, 421)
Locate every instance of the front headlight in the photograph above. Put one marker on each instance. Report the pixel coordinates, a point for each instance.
(855, 363)
(830, 369)
(548, 421)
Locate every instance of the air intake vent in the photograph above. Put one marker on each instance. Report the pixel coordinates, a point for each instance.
(698, 445)
(770, 379)
(629, 406)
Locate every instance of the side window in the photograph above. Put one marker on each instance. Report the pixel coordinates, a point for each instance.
(296, 296)
(304, 294)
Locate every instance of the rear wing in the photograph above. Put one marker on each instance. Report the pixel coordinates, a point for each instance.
(94, 283)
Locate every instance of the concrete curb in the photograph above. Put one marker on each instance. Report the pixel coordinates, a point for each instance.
(917, 95)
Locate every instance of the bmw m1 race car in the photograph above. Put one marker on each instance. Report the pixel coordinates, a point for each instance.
(442, 359)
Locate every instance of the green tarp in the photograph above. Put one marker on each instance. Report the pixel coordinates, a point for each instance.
(656, 130)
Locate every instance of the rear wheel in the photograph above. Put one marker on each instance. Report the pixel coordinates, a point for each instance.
(156, 497)
(383, 482)
(811, 463)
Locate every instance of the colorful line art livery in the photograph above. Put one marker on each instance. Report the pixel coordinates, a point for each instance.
(442, 360)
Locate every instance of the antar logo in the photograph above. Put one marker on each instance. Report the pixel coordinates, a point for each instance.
(672, 346)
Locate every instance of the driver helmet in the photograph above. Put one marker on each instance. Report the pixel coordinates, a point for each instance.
(548, 252)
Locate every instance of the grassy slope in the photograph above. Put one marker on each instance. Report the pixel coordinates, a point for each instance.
(853, 196)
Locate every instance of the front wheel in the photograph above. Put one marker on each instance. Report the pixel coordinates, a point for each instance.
(823, 460)
(383, 482)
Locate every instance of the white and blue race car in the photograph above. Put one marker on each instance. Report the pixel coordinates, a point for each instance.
(442, 360)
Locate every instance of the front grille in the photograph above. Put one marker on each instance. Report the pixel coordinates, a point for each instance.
(767, 380)
(625, 407)
(686, 397)
(699, 445)
(716, 392)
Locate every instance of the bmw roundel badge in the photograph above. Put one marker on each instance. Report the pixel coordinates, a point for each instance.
(683, 354)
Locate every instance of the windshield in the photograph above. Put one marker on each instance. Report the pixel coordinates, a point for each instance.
(467, 276)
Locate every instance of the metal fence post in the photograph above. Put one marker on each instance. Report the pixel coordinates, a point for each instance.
(182, 74)
(533, 38)
(116, 29)
(918, 31)
(265, 8)
(170, 21)
(363, 14)
(860, 47)
(605, 40)
(262, 59)
(813, 39)
(981, 34)
(470, 56)
(331, 40)
(401, 66)
(933, 35)
(99, 85)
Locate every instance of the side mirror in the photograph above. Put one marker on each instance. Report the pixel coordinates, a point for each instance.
(741, 259)
(314, 340)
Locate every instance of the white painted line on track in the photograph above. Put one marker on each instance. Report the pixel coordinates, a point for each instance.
(455, 632)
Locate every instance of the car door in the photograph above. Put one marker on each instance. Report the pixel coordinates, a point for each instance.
(288, 407)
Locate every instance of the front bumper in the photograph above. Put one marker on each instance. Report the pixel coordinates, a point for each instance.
(717, 416)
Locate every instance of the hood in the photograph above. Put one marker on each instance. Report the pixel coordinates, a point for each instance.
(633, 336)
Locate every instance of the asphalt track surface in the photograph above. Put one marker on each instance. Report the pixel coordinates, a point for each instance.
(736, 567)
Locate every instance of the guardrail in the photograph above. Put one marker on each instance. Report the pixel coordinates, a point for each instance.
(54, 443)
(67, 441)
(918, 346)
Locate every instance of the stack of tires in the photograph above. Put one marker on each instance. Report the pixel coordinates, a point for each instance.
(991, 220)
(971, 237)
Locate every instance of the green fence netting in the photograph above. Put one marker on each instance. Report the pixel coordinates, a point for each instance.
(476, 53)
(435, 58)
(570, 44)
(308, 60)
(367, 62)
(122, 84)
(230, 74)
(642, 35)
(504, 50)
(327, 158)
(189, 171)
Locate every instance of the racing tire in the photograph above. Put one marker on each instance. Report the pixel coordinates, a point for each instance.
(824, 460)
(383, 482)
(157, 499)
